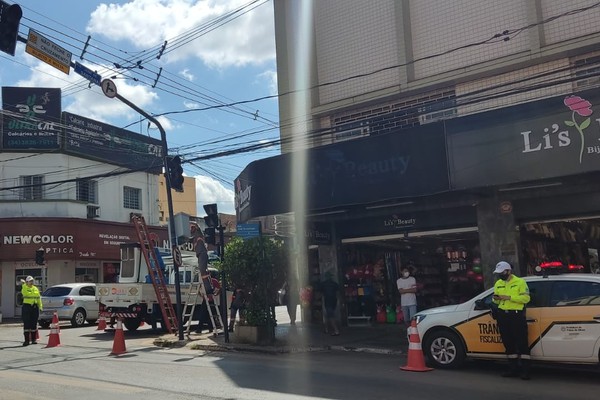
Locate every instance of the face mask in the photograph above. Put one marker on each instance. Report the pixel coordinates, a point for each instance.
(406, 274)
(504, 276)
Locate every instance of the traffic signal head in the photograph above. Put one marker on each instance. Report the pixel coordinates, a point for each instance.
(9, 27)
(175, 172)
(212, 216)
(209, 236)
(39, 257)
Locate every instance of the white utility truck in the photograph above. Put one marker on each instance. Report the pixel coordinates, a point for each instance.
(134, 297)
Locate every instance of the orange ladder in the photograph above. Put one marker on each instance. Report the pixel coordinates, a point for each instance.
(156, 275)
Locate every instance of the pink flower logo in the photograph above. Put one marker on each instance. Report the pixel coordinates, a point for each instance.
(583, 108)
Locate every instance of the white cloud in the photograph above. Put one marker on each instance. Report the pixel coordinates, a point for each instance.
(187, 75)
(185, 24)
(271, 77)
(209, 190)
(190, 105)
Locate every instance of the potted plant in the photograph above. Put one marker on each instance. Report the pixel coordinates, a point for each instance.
(258, 266)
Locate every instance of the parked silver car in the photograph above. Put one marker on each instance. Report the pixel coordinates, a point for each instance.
(75, 302)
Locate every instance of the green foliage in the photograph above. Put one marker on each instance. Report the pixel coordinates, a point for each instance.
(258, 266)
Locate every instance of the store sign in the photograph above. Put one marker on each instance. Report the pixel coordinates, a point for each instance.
(31, 118)
(103, 142)
(366, 170)
(539, 140)
(318, 234)
(398, 222)
(65, 238)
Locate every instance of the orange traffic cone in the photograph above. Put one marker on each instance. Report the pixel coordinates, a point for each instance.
(119, 340)
(101, 323)
(55, 321)
(54, 339)
(416, 360)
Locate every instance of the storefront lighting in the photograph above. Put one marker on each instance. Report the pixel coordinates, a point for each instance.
(327, 213)
(403, 203)
(513, 188)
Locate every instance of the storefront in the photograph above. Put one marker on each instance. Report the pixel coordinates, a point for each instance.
(75, 250)
(449, 199)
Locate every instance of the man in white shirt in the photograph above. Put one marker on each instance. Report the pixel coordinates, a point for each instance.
(407, 286)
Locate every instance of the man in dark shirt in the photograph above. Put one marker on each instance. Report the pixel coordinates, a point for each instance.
(330, 289)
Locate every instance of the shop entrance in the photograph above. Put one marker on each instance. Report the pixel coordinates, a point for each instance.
(445, 264)
(567, 245)
(22, 274)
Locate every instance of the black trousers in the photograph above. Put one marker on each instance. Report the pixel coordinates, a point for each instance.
(513, 331)
(29, 315)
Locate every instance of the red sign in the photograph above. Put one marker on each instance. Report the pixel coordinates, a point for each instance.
(66, 238)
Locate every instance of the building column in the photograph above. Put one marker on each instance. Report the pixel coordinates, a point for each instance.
(499, 236)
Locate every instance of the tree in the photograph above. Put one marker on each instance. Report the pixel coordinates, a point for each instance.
(257, 265)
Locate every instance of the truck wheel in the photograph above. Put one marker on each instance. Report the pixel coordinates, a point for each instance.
(78, 318)
(132, 324)
(444, 349)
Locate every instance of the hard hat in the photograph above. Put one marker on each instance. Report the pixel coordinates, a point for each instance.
(29, 279)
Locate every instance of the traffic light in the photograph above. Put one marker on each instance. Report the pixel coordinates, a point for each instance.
(9, 27)
(175, 172)
(212, 216)
(39, 257)
(209, 236)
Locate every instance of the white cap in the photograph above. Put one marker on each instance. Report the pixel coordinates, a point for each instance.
(501, 267)
(29, 279)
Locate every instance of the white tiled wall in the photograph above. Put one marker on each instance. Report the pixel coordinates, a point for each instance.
(503, 93)
(441, 26)
(355, 37)
(577, 24)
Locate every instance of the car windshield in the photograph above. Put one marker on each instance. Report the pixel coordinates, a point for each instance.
(57, 291)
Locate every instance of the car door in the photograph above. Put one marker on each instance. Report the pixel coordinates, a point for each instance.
(571, 323)
(481, 331)
(88, 297)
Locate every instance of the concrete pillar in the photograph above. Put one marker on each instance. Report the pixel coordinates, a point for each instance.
(499, 237)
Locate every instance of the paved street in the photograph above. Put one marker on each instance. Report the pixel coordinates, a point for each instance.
(82, 368)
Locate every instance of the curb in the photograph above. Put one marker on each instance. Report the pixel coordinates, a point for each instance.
(239, 347)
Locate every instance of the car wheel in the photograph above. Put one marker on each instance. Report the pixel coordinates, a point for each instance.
(444, 349)
(78, 318)
(132, 324)
(44, 324)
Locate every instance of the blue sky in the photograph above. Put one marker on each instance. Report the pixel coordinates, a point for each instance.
(218, 52)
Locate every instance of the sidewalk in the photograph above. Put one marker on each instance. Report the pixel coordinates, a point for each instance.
(377, 338)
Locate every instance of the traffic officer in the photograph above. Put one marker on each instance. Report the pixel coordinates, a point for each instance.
(511, 294)
(32, 305)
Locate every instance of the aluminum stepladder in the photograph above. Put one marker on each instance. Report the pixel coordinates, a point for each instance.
(197, 295)
(156, 274)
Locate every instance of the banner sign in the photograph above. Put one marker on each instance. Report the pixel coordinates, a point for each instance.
(360, 171)
(103, 142)
(31, 118)
(538, 140)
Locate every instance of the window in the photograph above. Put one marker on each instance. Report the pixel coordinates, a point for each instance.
(87, 190)
(127, 262)
(32, 187)
(132, 198)
(575, 293)
(87, 291)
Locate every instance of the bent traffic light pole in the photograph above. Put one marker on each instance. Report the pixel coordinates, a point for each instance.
(172, 237)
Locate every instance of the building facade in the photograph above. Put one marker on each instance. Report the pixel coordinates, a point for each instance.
(68, 186)
(440, 136)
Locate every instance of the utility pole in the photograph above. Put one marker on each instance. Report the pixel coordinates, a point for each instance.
(110, 90)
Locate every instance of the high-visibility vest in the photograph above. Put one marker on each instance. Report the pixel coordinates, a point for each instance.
(518, 291)
(31, 295)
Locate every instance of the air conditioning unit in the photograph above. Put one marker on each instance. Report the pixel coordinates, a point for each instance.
(93, 212)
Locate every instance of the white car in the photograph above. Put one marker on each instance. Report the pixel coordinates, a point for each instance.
(563, 320)
(75, 302)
